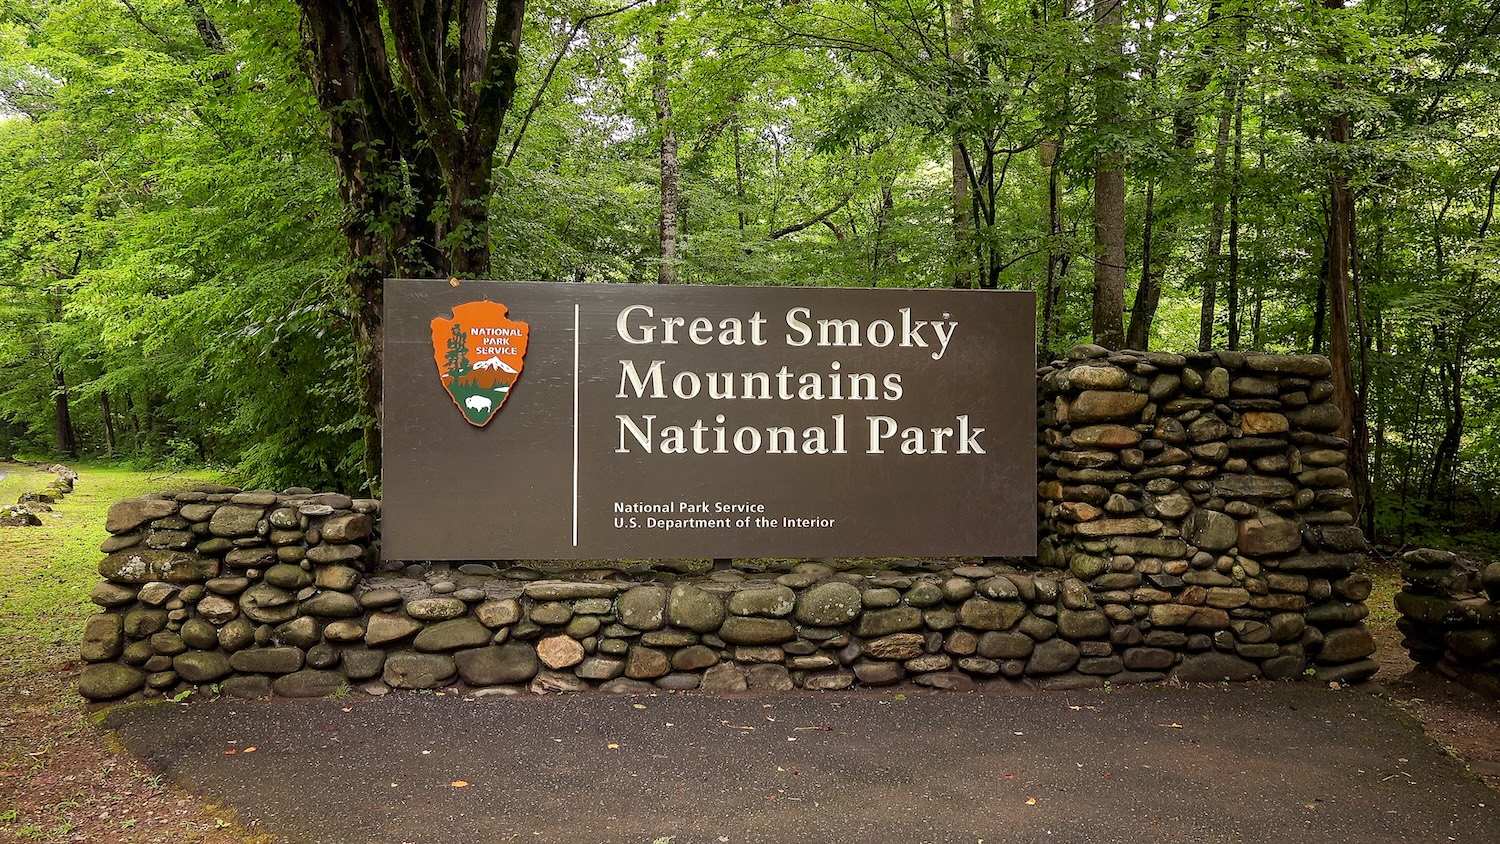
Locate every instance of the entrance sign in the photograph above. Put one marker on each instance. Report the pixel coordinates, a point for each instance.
(670, 421)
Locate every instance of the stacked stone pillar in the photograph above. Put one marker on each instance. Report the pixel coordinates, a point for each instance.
(1450, 616)
(1203, 499)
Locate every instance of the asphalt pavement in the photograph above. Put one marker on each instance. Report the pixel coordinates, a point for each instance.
(1244, 763)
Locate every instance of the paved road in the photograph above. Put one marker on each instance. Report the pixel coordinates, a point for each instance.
(1256, 763)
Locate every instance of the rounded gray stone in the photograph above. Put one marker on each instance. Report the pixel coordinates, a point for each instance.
(109, 681)
(435, 609)
(201, 666)
(829, 604)
(199, 634)
(362, 663)
(513, 662)
(452, 635)
(747, 630)
(309, 682)
(773, 601)
(694, 608)
(409, 670)
(1053, 656)
(277, 660)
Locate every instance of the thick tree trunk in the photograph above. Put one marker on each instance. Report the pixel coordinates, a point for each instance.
(367, 159)
(666, 226)
(1109, 187)
(415, 159)
(468, 216)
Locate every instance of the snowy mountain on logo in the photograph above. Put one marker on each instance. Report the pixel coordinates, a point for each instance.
(495, 363)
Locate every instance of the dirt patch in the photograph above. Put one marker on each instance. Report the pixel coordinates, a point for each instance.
(1465, 723)
(62, 780)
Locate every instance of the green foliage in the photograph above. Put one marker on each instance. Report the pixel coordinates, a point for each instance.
(170, 234)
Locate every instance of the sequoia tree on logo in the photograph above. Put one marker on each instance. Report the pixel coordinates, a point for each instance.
(479, 355)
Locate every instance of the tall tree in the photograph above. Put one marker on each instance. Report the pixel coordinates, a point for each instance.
(670, 195)
(414, 136)
(1108, 323)
(1340, 238)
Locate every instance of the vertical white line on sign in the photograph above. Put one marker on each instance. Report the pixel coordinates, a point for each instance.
(575, 425)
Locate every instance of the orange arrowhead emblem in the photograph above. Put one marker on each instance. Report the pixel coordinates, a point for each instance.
(479, 355)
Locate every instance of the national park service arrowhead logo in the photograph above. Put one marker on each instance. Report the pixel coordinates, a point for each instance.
(479, 354)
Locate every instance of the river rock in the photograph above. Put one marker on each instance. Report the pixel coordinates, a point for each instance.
(144, 565)
(453, 635)
(308, 683)
(512, 662)
(694, 608)
(558, 652)
(410, 670)
(130, 514)
(201, 666)
(829, 604)
(642, 607)
(109, 681)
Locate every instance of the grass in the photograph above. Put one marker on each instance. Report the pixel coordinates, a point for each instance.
(46, 572)
(1386, 582)
(60, 778)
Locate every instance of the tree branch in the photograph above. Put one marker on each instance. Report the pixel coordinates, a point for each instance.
(562, 51)
(806, 224)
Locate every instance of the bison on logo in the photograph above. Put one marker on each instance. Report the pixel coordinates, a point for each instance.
(479, 355)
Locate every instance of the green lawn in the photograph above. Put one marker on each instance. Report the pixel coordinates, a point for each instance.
(46, 572)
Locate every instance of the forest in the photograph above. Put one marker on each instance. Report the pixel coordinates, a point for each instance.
(200, 199)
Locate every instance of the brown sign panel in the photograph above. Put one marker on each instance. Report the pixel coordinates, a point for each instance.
(590, 421)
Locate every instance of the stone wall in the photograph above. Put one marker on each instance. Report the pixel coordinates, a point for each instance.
(1450, 616)
(28, 509)
(1191, 529)
(1201, 498)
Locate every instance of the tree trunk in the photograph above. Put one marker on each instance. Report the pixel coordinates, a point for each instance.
(666, 226)
(1109, 187)
(1359, 429)
(468, 217)
(962, 217)
(1052, 293)
(1232, 310)
(415, 159)
(959, 175)
(66, 444)
(884, 252)
(1212, 254)
(1320, 306)
(109, 423)
(1148, 292)
(135, 424)
(739, 174)
(367, 160)
(1340, 229)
